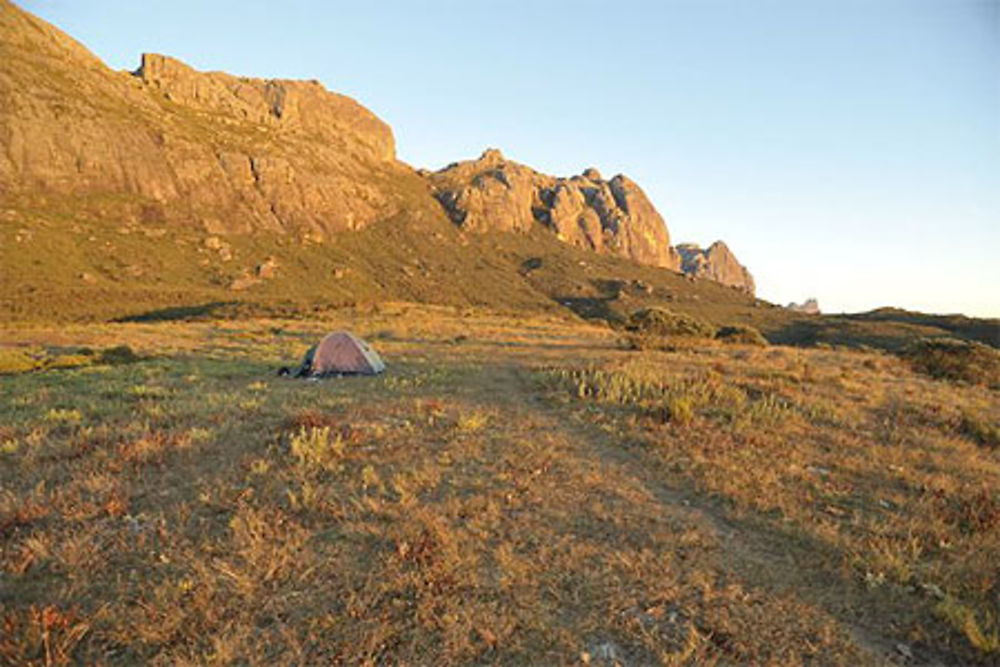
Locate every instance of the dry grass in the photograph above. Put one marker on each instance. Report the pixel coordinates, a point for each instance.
(510, 491)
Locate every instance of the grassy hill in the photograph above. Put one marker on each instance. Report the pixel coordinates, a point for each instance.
(78, 268)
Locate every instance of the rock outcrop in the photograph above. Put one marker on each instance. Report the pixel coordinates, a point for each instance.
(496, 194)
(302, 107)
(810, 306)
(717, 263)
(231, 154)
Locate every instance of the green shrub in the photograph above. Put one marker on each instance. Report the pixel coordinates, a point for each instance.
(663, 322)
(956, 360)
(122, 354)
(742, 335)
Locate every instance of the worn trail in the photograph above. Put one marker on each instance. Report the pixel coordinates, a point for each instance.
(757, 553)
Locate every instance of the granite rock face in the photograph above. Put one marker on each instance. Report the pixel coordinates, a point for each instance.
(492, 193)
(231, 154)
(717, 263)
(302, 107)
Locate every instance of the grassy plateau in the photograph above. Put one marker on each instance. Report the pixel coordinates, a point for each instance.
(517, 490)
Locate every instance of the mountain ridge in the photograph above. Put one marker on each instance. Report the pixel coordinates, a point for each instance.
(235, 154)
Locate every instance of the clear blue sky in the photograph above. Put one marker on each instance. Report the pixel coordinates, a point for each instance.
(847, 150)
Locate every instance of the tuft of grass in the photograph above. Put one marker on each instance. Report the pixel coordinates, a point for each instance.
(63, 416)
(9, 446)
(680, 409)
(316, 447)
(472, 421)
(17, 360)
(982, 631)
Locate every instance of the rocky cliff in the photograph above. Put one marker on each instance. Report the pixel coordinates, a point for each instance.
(169, 145)
(717, 263)
(493, 193)
(232, 154)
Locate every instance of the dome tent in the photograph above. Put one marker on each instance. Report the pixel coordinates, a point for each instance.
(340, 353)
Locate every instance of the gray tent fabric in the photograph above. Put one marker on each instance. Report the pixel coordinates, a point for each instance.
(340, 353)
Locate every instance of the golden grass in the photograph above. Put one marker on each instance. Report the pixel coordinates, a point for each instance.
(512, 490)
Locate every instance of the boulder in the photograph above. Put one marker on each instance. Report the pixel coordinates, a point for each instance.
(716, 263)
(266, 269)
(496, 194)
(810, 306)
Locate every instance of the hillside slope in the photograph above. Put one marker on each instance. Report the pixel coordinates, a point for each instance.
(167, 192)
(169, 147)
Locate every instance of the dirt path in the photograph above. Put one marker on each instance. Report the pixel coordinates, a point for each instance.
(764, 556)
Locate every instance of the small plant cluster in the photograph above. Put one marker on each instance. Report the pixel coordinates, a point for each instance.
(652, 328)
(663, 322)
(316, 447)
(982, 631)
(741, 335)
(16, 360)
(960, 361)
(675, 399)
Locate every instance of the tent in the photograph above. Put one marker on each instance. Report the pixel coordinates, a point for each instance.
(340, 353)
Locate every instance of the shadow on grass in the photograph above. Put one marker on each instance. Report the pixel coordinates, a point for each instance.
(842, 331)
(985, 331)
(887, 329)
(601, 307)
(178, 313)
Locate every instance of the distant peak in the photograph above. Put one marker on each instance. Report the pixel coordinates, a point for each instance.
(492, 155)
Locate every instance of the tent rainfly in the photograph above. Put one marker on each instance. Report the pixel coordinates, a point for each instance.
(340, 353)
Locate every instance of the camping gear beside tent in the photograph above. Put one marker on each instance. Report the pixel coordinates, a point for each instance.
(340, 353)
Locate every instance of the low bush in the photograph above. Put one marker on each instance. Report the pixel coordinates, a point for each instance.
(663, 322)
(956, 360)
(122, 354)
(741, 335)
